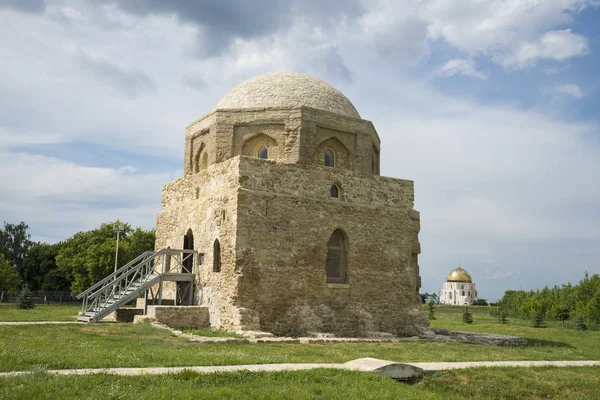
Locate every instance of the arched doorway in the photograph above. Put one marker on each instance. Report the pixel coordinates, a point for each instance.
(188, 244)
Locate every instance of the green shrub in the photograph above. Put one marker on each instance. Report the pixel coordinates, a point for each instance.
(503, 317)
(538, 320)
(431, 306)
(580, 323)
(467, 317)
(562, 313)
(25, 300)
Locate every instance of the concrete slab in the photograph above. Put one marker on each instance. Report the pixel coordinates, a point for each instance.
(386, 368)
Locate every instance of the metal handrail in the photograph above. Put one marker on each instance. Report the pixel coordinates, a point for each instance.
(138, 271)
(117, 272)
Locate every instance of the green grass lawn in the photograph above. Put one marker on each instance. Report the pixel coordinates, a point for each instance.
(11, 313)
(499, 383)
(139, 345)
(39, 347)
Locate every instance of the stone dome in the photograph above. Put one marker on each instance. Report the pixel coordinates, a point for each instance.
(459, 275)
(287, 90)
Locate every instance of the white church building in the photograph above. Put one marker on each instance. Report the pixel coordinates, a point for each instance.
(458, 289)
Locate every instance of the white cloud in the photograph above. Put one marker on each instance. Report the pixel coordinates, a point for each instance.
(571, 89)
(58, 198)
(513, 34)
(493, 183)
(461, 67)
(553, 45)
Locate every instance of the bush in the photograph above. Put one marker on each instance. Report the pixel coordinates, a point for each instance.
(25, 301)
(431, 306)
(562, 313)
(538, 320)
(580, 323)
(467, 317)
(503, 317)
(480, 302)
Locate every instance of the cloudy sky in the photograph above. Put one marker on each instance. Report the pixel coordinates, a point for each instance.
(490, 107)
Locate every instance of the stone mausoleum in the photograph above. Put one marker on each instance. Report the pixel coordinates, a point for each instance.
(296, 230)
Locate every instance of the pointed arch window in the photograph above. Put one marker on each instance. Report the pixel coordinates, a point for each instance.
(329, 159)
(217, 256)
(336, 258)
(335, 191)
(204, 164)
(262, 152)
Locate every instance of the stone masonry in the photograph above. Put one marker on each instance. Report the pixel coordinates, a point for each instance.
(263, 225)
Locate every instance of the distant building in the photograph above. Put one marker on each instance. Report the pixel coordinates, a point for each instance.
(458, 289)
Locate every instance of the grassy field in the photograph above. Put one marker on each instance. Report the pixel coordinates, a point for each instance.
(141, 345)
(39, 347)
(498, 383)
(11, 313)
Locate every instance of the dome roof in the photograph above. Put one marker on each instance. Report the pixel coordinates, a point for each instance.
(459, 275)
(287, 90)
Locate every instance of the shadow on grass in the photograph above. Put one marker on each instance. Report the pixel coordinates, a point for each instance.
(546, 343)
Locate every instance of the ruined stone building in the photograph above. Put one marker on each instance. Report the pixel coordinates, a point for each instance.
(297, 231)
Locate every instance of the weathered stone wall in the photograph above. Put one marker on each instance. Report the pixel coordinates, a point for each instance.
(298, 135)
(180, 316)
(211, 215)
(285, 219)
(124, 314)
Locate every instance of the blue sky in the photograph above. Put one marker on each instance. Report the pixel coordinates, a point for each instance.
(490, 107)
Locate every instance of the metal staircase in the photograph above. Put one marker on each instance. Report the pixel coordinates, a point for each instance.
(136, 277)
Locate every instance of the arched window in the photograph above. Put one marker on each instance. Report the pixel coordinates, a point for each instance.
(262, 152)
(329, 158)
(336, 258)
(217, 256)
(335, 191)
(204, 164)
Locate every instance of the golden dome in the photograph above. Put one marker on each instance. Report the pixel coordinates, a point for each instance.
(459, 275)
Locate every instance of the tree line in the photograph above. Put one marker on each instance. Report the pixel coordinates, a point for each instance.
(560, 303)
(71, 265)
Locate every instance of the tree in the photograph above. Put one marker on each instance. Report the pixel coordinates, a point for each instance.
(25, 300)
(538, 320)
(503, 317)
(480, 302)
(562, 313)
(467, 317)
(594, 307)
(15, 241)
(39, 264)
(9, 278)
(431, 306)
(88, 257)
(580, 323)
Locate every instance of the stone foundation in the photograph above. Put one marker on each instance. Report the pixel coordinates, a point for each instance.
(180, 316)
(491, 339)
(124, 314)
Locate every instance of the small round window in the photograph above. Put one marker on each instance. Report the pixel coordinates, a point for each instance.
(263, 152)
(335, 191)
(329, 158)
